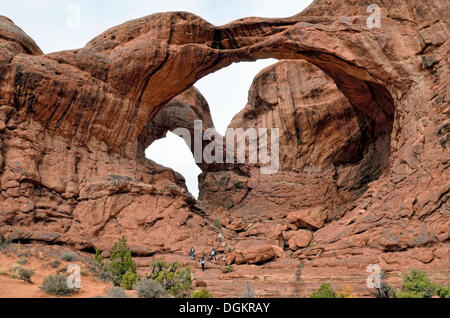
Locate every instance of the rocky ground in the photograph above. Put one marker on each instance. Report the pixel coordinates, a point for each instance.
(38, 259)
(270, 280)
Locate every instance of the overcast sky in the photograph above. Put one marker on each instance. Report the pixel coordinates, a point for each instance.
(58, 25)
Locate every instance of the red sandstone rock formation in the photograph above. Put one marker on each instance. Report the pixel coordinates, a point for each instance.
(371, 164)
(323, 148)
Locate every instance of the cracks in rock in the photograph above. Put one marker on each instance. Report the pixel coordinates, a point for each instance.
(248, 190)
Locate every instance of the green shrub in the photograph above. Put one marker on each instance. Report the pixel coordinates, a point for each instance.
(22, 261)
(385, 291)
(69, 257)
(104, 275)
(121, 260)
(443, 291)
(149, 288)
(57, 285)
(98, 267)
(407, 294)
(172, 277)
(101, 271)
(24, 274)
(117, 292)
(55, 263)
(325, 291)
(217, 223)
(201, 293)
(98, 257)
(416, 284)
(128, 280)
(229, 268)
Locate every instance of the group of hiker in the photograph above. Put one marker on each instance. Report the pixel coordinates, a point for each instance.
(212, 254)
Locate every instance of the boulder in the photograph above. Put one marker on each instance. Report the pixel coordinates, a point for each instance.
(312, 219)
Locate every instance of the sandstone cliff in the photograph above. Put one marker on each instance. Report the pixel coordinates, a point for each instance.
(364, 142)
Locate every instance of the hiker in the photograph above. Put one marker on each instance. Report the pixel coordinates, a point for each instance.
(202, 261)
(213, 255)
(220, 237)
(192, 253)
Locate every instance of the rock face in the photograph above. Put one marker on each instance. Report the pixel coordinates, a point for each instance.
(180, 112)
(364, 140)
(325, 156)
(56, 190)
(59, 192)
(252, 252)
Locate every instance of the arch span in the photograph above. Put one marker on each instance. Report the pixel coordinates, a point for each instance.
(134, 69)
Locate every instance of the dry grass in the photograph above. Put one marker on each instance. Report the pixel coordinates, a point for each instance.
(4, 270)
(13, 285)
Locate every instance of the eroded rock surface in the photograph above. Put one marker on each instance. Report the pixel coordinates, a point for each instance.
(364, 143)
(325, 156)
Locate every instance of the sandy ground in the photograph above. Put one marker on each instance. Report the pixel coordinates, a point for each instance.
(11, 287)
(270, 280)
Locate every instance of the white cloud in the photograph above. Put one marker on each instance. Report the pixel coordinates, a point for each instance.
(226, 90)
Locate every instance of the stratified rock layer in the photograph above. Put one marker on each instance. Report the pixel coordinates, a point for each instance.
(326, 156)
(373, 167)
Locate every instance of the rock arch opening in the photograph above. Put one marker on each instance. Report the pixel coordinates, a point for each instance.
(334, 141)
(172, 152)
(226, 92)
(133, 83)
(352, 167)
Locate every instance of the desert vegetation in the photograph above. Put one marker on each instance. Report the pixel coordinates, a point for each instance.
(69, 257)
(121, 268)
(174, 279)
(57, 285)
(164, 279)
(116, 292)
(324, 291)
(415, 284)
(201, 293)
(22, 273)
(149, 288)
